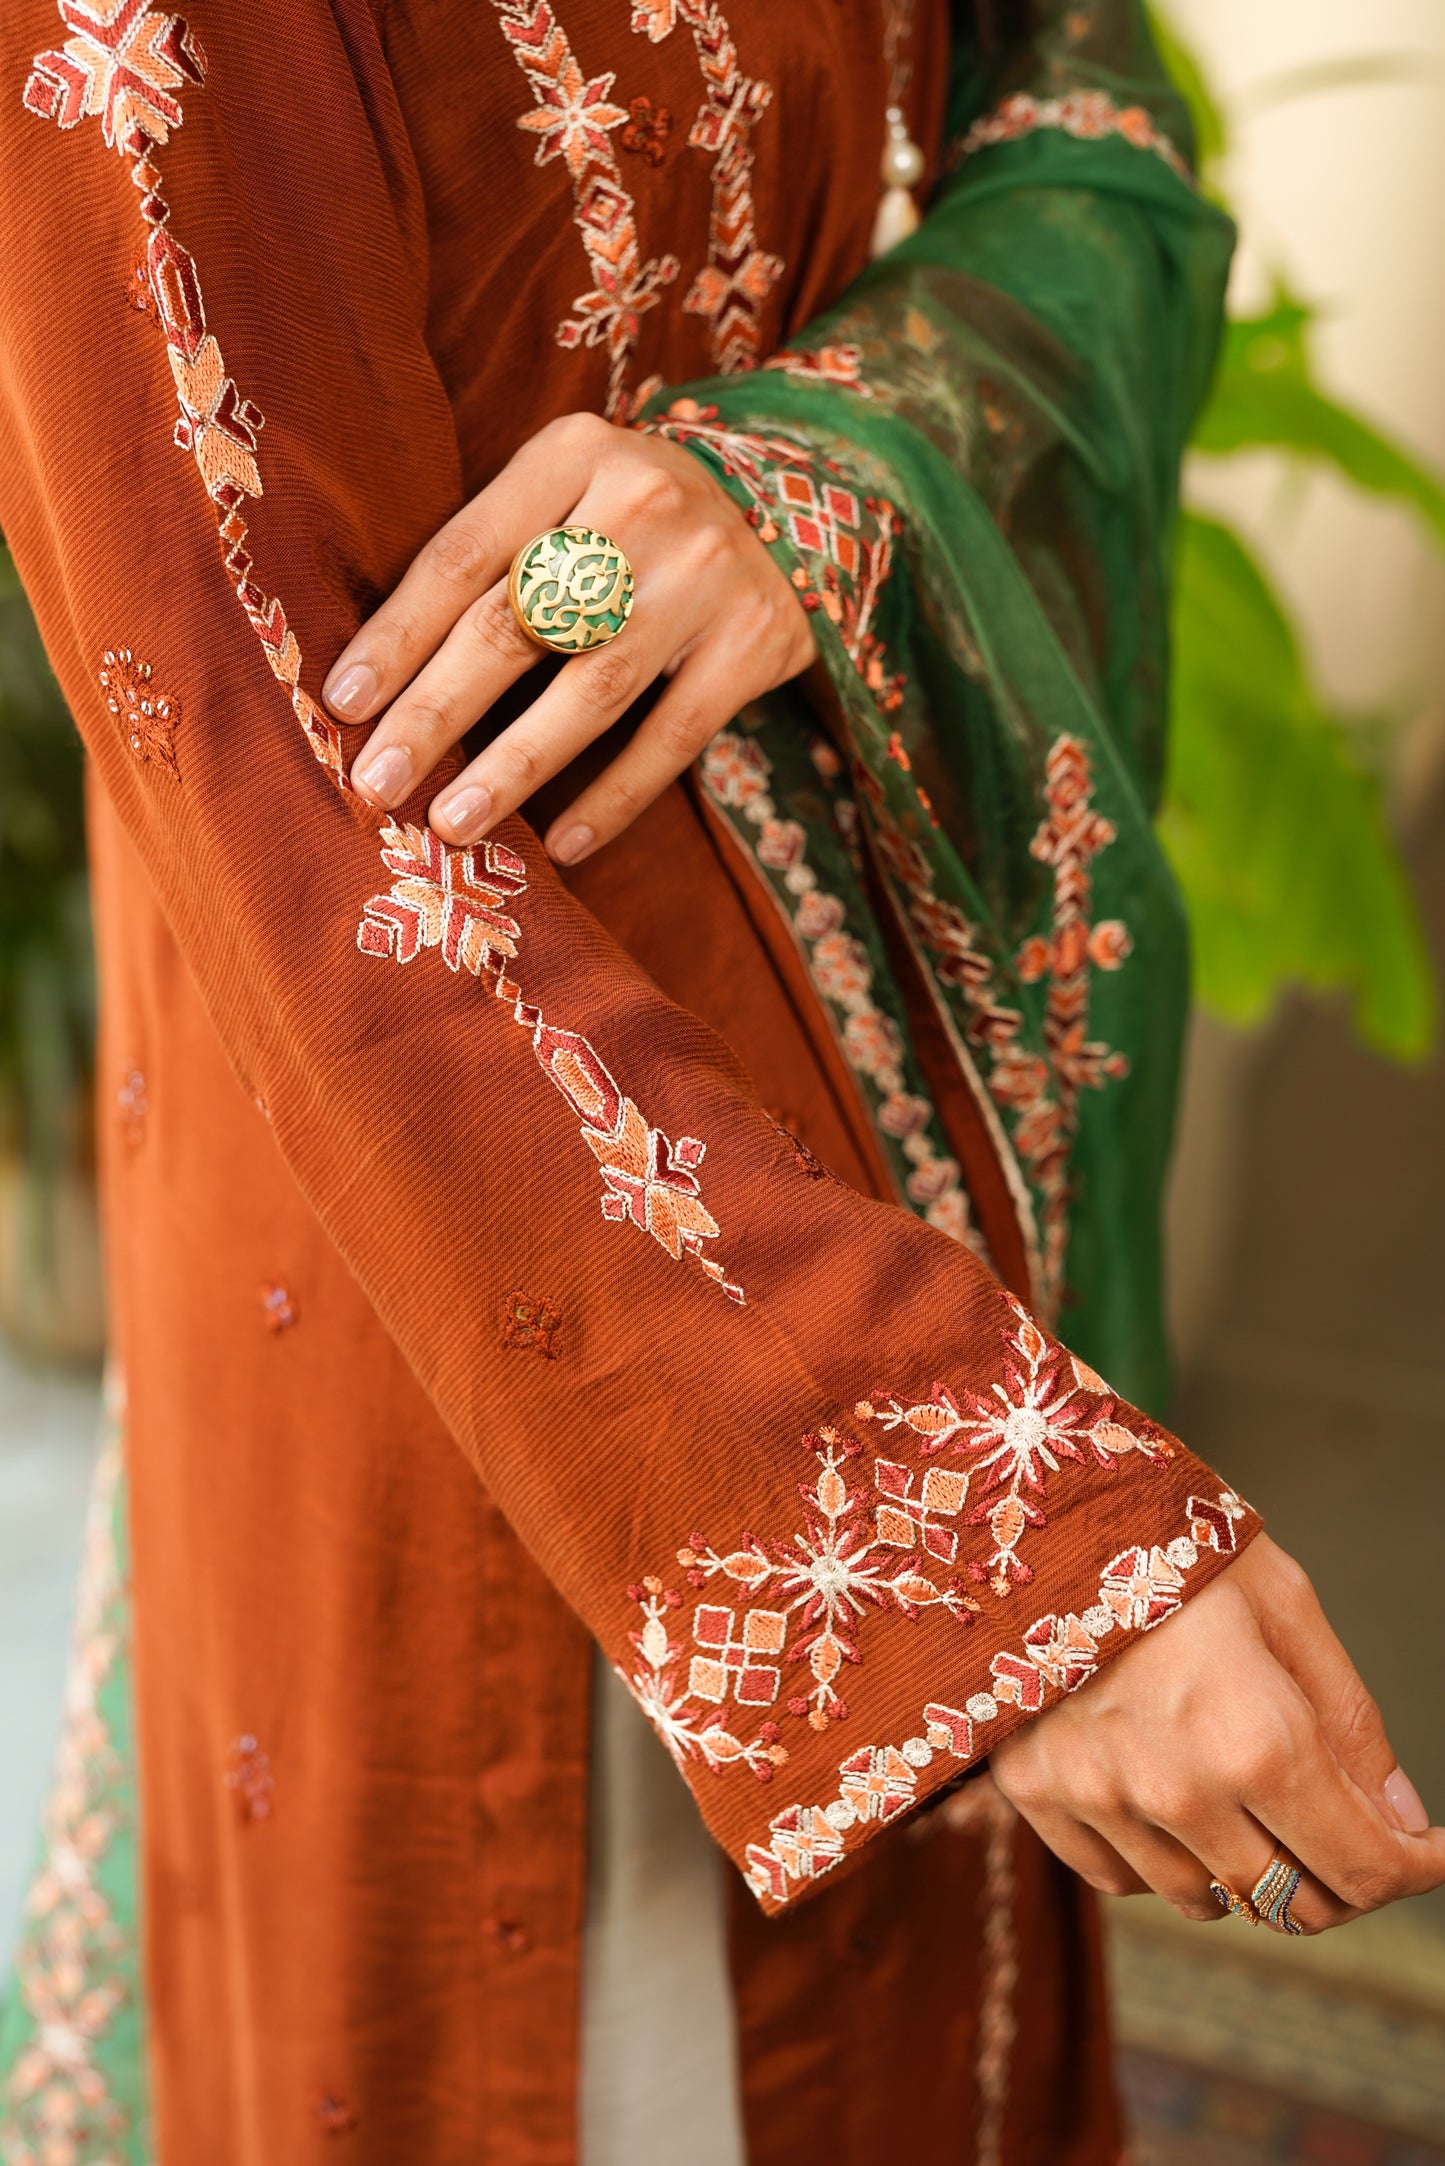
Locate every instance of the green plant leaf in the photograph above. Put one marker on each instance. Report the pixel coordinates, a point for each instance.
(1275, 830)
(1265, 394)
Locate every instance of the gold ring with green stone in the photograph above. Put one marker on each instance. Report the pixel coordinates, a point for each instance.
(570, 589)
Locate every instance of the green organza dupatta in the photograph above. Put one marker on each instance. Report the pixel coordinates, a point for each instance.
(969, 469)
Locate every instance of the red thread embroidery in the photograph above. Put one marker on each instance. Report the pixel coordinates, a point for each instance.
(1137, 1590)
(531, 1325)
(573, 120)
(647, 130)
(732, 288)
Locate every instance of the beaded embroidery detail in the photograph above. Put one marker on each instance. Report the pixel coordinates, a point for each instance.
(148, 719)
(1138, 1589)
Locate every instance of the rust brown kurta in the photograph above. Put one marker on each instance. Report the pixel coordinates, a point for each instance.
(349, 1226)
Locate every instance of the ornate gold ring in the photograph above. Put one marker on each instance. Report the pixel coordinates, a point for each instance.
(1268, 1901)
(570, 589)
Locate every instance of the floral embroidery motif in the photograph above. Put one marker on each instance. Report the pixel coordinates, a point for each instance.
(1088, 115)
(1037, 1094)
(277, 1308)
(248, 1774)
(736, 773)
(1137, 1590)
(1050, 1406)
(446, 899)
(129, 64)
(451, 900)
(531, 1325)
(647, 130)
(574, 120)
(148, 719)
(841, 366)
(733, 287)
(824, 1581)
(75, 1968)
(124, 63)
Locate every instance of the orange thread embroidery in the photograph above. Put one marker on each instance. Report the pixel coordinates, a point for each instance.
(1088, 115)
(1138, 1589)
(71, 1968)
(647, 130)
(736, 773)
(733, 287)
(148, 719)
(1039, 1094)
(129, 66)
(1051, 1406)
(451, 900)
(573, 120)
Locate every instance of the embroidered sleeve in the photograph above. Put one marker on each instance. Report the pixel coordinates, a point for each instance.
(883, 1516)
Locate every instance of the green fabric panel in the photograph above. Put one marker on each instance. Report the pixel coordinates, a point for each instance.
(73, 2088)
(1016, 383)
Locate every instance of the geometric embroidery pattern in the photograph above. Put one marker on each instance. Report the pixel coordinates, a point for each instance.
(732, 288)
(1088, 115)
(572, 120)
(128, 63)
(454, 901)
(1137, 1590)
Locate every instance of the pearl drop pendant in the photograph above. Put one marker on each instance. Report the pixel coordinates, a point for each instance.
(900, 171)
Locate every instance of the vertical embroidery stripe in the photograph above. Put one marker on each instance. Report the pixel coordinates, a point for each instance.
(572, 120)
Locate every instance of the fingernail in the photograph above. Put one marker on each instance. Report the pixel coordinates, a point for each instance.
(353, 693)
(386, 775)
(573, 843)
(465, 813)
(1406, 1803)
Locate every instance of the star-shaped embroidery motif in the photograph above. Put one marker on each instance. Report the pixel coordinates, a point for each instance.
(572, 117)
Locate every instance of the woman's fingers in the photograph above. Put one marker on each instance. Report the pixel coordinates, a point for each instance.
(536, 489)
(715, 680)
(485, 652)
(581, 702)
(1083, 1849)
(1297, 1789)
(1298, 1633)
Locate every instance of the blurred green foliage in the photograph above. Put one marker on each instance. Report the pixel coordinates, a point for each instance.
(1273, 817)
(47, 979)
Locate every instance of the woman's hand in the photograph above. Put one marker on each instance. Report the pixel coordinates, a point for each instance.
(712, 612)
(1239, 1723)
